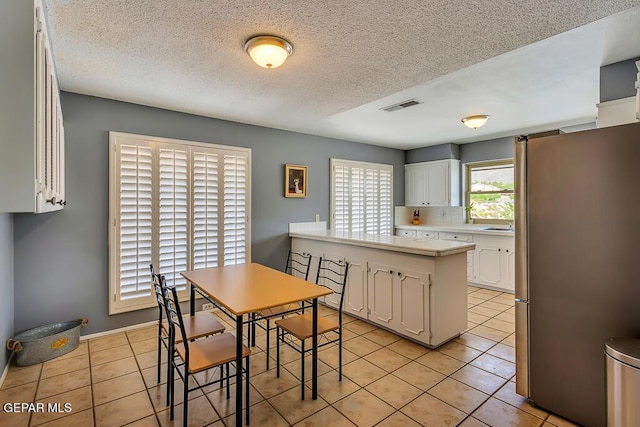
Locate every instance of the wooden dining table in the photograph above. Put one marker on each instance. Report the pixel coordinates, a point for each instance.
(249, 288)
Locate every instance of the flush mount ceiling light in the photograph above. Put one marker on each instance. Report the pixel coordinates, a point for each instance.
(474, 122)
(268, 51)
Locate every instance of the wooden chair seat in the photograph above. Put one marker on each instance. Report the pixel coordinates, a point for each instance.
(198, 326)
(211, 352)
(300, 326)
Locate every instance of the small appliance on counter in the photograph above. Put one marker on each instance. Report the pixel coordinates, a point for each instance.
(416, 217)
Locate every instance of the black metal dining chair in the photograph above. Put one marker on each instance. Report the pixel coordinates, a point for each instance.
(333, 275)
(200, 325)
(298, 264)
(192, 357)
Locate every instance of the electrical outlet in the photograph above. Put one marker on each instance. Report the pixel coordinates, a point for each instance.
(317, 217)
(207, 306)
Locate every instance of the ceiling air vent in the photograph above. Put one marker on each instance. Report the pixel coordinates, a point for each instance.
(401, 105)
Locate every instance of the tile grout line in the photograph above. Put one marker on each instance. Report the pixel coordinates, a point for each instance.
(494, 299)
(146, 389)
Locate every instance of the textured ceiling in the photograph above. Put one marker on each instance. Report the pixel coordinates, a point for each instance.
(350, 58)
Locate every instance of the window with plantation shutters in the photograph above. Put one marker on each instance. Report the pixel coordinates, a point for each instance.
(361, 197)
(179, 205)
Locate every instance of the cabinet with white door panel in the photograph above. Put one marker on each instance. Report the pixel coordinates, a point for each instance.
(422, 298)
(490, 265)
(31, 125)
(495, 262)
(432, 183)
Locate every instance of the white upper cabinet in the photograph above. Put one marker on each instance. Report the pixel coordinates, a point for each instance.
(432, 183)
(31, 125)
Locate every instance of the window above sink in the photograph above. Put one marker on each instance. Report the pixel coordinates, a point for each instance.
(489, 193)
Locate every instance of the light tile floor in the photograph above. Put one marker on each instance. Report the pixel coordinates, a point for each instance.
(388, 381)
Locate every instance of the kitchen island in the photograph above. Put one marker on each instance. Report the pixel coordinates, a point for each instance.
(415, 288)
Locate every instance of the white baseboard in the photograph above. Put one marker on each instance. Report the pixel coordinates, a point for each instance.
(129, 328)
(113, 331)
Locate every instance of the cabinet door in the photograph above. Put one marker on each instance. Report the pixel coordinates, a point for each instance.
(488, 265)
(413, 296)
(49, 130)
(509, 273)
(380, 281)
(471, 272)
(332, 300)
(356, 291)
(437, 181)
(414, 185)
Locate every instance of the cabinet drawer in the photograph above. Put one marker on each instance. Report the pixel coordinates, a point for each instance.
(406, 233)
(457, 237)
(428, 235)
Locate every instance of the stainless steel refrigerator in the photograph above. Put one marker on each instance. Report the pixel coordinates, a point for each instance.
(577, 265)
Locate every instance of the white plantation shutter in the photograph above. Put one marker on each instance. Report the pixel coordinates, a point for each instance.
(205, 209)
(361, 197)
(235, 209)
(135, 212)
(340, 197)
(372, 201)
(173, 202)
(178, 205)
(358, 193)
(385, 200)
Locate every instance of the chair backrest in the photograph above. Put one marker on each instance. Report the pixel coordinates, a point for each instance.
(298, 262)
(174, 314)
(333, 275)
(157, 287)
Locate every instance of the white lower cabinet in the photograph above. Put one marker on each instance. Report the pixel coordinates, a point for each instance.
(491, 264)
(356, 294)
(397, 300)
(488, 264)
(412, 290)
(422, 298)
(495, 262)
(471, 271)
(380, 280)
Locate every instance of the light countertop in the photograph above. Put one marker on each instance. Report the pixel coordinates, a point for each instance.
(409, 245)
(462, 228)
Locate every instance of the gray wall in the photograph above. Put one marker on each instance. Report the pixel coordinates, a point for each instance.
(618, 80)
(61, 259)
(434, 152)
(6, 284)
(492, 149)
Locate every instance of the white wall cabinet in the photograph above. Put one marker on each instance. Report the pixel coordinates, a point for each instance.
(432, 183)
(422, 298)
(31, 125)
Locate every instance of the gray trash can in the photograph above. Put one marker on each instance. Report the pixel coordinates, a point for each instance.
(623, 381)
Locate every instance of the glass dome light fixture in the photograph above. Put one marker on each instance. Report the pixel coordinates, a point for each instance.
(268, 51)
(474, 122)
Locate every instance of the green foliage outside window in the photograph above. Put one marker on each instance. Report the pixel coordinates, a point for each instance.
(491, 188)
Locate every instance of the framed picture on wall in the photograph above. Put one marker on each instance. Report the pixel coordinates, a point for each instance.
(295, 181)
